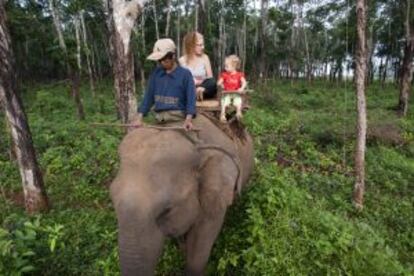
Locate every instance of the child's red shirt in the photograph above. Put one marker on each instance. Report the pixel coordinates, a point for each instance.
(232, 81)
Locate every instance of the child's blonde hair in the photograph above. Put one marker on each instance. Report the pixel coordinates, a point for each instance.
(234, 61)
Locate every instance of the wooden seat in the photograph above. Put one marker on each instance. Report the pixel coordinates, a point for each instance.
(215, 104)
(208, 105)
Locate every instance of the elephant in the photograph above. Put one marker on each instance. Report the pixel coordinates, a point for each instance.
(175, 185)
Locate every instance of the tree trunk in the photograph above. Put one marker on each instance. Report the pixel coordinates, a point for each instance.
(380, 68)
(35, 197)
(144, 45)
(124, 15)
(396, 71)
(406, 73)
(178, 26)
(154, 9)
(262, 38)
(88, 54)
(107, 7)
(56, 22)
(187, 23)
(293, 37)
(360, 75)
(244, 35)
(221, 39)
(196, 8)
(167, 25)
(96, 61)
(78, 43)
(305, 38)
(62, 45)
(370, 54)
(201, 16)
(384, 72)
(75, 80)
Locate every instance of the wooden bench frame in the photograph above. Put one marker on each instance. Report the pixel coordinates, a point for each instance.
(215, 104)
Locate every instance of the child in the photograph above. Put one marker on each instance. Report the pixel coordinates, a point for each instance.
(232, 81)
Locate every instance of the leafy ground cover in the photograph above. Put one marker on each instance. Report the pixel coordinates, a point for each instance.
(296, 217)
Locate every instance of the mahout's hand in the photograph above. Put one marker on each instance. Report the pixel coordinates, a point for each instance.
(136, 122)
(188, 124)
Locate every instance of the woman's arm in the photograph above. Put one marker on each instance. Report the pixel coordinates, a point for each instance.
(220, 82)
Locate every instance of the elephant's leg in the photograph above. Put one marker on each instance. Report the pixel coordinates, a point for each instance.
(215, 196)
(140, 240)
(199, 243)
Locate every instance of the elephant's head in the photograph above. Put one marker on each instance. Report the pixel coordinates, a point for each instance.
(173, 185)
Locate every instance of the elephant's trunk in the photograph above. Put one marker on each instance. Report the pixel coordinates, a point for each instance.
(140, 241)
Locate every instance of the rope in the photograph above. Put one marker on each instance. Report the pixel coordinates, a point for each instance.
(144, 126)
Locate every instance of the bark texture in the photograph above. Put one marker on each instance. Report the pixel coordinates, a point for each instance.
(262, 37)
(34, 193)
(154, 9)
(56, 22)
(168, 23)
(407, 66)
(124, 13)
(202, 19)
(76, 22)
(360, 74)
(88, 55)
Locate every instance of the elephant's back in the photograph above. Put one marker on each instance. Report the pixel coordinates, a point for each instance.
(212, 134)
(154, 144)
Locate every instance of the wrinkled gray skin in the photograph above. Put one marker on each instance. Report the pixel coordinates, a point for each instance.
(165, 187)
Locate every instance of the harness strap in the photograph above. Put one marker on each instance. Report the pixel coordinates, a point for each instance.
(233, 158)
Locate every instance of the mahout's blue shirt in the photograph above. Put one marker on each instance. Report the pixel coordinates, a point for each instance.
(170, 91)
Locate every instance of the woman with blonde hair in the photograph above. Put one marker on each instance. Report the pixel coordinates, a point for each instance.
(199, 64)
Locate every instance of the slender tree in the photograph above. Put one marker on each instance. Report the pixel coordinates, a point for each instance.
(124, 13)
(88, 55)
(360, 75)
(222, 38)
(201, 16)
(144, 46)
(262, 37)
(178, 31)
(168, 23)
(407, 65)
(196, 10)
(306, 43)
(72, 73)
(34, 193)
(76, 22)
(57, 24)
(154, 10)
(244, 48)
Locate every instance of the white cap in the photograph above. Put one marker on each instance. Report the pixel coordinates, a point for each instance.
(161, 48)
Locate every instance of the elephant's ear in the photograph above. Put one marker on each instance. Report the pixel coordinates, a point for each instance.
(218, 184)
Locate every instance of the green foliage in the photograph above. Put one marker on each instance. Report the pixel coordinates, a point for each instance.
(286, 234)
(15, 249)
(296, 218)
